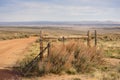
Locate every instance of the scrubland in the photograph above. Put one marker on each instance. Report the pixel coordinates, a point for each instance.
(73, 58)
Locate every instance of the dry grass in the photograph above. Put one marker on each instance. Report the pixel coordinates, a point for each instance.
(110, 37)
(72, 57)
(7, 35)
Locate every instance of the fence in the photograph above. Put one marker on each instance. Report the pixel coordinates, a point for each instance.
(88, 37)
(39, 57)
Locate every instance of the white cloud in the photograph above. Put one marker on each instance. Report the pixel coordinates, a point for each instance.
(33, 11)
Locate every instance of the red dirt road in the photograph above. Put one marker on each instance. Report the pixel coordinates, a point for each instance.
(13, 50)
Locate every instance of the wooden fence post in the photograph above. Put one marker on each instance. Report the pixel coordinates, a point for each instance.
(95, 38)
(89, 39)
(41, 44)
(63, 39)
(48, 49)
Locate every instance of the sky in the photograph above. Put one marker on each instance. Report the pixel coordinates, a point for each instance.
(59, 10)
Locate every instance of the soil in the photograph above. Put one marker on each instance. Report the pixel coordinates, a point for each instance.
(113, 61)
(62, 77)
(13, 50)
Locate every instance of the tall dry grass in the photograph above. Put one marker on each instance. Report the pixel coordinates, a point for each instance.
(71, 57)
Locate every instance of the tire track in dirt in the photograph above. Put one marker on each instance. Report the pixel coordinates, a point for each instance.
(12, 50)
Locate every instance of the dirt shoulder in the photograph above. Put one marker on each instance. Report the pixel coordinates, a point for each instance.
(62, 77)
(13, 50)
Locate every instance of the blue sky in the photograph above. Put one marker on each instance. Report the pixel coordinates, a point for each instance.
(59, 10)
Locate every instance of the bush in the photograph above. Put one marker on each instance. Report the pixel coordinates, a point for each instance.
(72, 57)
(86, 58)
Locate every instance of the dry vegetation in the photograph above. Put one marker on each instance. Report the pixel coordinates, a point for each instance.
(7, 35)
(110, 37)
(70, 58)
(74, 57)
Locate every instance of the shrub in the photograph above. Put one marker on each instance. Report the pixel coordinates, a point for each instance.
(86, 58)
(57, 61)
(71, 58)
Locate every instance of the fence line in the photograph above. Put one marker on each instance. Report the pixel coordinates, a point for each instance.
(34, 62)
(88, 37)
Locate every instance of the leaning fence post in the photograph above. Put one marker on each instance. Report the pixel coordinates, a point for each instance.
(89, 39)
(41, 44)
(95, 38)
(48, 49)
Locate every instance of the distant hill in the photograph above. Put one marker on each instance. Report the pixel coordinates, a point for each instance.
(47, 23)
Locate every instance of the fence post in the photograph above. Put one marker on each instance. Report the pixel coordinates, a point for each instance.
(48, 49)
(89, 39)
(63, 39)
(41, 44)
(95, 38)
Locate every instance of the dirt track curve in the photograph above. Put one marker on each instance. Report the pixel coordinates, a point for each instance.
(12, 50)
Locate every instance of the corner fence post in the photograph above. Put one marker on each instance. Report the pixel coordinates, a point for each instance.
(49, 45)
(41, 45)
(95, 38)
(89, 39)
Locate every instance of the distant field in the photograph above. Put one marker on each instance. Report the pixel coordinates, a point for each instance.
(14, 32)
(68, 28)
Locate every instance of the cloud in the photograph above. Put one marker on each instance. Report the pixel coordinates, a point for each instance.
(59, 10)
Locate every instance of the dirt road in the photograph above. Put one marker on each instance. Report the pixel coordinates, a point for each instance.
(13, 50)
